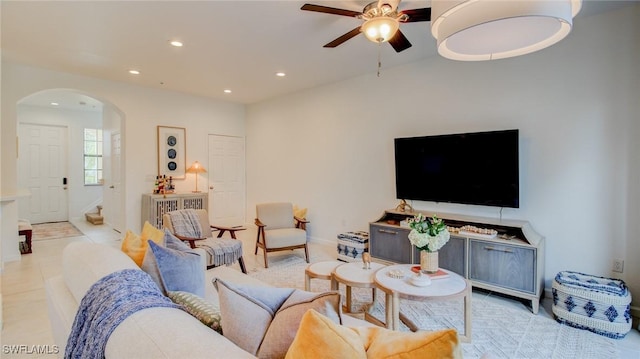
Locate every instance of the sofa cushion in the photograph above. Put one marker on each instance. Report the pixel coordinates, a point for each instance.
(271, 315)
(85, 263)
(206, 312)
(319, 336)
(174, 270)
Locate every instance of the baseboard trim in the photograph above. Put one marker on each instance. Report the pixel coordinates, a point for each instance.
(322, 241)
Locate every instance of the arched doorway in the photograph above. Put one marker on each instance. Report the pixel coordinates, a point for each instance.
(65, 114)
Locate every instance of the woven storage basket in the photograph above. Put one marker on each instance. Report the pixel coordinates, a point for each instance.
(598, 304)
(351, 245)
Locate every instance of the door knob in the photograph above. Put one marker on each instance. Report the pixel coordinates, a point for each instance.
(111, 187)
(210, 187)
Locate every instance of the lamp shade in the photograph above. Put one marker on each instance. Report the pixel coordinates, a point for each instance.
(380, 29)
(196, 167)
(476, 30)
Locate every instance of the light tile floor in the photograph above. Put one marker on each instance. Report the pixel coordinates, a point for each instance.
(25, 318)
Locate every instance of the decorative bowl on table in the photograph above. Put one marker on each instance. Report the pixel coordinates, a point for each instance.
(420, 280)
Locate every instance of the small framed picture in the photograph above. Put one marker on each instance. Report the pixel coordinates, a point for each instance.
(172, 152)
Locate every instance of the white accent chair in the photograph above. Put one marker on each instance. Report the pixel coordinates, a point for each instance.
(279, 229)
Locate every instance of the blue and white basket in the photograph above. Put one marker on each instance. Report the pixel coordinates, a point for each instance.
(351, 245)
(598, 304)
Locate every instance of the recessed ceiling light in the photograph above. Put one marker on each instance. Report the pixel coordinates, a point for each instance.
(281, 74)
(176, 43)
(227, 91)
(54, 104)
(134, 72)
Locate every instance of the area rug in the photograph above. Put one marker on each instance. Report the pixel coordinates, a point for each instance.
(498, 331)
(54, 230)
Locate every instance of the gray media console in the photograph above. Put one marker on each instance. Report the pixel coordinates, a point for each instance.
(510, 263)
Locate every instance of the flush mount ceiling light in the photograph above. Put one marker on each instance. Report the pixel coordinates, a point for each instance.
(176, 43)
(134, 72)
(475, 30)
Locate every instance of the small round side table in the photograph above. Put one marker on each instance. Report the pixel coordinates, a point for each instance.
(355, 275)
(320, 270)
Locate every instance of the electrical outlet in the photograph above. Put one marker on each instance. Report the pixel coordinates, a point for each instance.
(618, 265)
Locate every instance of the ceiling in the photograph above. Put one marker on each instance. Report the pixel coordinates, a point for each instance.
(236, 45)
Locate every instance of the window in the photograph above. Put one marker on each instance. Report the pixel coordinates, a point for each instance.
(92, 156)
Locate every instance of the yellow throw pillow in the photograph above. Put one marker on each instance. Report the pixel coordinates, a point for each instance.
(150, 232)
(134, 247)
(300, 212)
(318, 336)
(385, 343)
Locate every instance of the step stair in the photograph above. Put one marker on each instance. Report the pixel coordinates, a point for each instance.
(95, 218)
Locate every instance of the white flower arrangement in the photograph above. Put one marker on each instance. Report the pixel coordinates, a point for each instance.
(428, 234)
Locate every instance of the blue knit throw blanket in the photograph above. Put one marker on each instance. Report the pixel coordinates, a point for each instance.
(108, 302)
(186, 223)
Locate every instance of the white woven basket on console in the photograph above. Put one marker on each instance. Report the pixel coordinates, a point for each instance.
(598, 304)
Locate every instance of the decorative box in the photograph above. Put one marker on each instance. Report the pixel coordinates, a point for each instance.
(351, 245)
(598, 304)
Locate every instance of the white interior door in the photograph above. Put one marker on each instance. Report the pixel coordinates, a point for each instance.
(115, 188)
(226, 180)
(42, 169)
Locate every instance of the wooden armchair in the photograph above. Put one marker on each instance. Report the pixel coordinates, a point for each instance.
(279, 229)
(219, 250)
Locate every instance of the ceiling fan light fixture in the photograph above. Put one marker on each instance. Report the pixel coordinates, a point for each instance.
(477, 30)
(380, 29)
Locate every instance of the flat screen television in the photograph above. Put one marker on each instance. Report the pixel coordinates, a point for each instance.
(478, 168)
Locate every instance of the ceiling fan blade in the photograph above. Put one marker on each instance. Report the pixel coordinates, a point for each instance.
(399, 42)
(344, 38)
(330, 10)
(416, 15)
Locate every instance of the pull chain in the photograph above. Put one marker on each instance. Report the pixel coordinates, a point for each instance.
(379, 55)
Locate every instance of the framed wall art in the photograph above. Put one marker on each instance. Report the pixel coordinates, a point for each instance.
(172, 152)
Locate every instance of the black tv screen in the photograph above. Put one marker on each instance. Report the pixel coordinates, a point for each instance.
(470, 168)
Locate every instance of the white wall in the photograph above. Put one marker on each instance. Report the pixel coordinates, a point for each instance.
(331, 148)
(79, 196)
(142, 108)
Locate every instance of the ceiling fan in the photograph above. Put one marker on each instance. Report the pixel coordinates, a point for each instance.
(381, 22)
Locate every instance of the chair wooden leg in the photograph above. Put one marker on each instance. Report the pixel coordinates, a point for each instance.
(266, 260)
(257, 240)
(306, 252)
(242, 267)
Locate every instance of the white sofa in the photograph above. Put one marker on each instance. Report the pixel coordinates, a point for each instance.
(148, 333)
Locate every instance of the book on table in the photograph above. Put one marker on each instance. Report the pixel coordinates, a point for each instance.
(437, 275)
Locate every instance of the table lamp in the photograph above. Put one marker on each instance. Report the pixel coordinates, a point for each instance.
(196, 168)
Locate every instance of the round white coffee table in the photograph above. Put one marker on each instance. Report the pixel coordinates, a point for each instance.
(453, 286)
(355, 275)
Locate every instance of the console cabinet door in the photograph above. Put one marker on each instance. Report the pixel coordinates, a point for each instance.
(452, 256)
(503, 265)
(390, 243)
